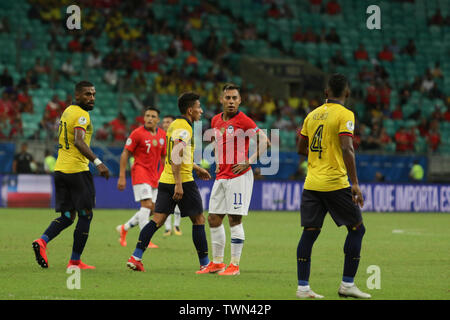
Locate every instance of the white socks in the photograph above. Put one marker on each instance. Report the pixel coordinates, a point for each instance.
(176, 221)
(140, 218)
(218, 240)
(237, 243)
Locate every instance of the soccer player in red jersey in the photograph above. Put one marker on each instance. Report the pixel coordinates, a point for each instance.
(148, 146)
(233, 186)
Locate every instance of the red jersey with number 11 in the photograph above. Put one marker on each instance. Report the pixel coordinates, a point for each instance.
(233, 138)
(147, 150)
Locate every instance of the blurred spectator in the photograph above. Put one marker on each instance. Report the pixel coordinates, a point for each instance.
(67, 69)
(361, 53)
(192, 59)
(423, 127)
(310, 36)
(30, 81)
(447, 114)
(54, 108)
(49, 162)
(410, 48)
(434, 138)
(333, 7)
(394, 47)
(333, 37)
(371, 96)
(397, 114)
(385, 95)
(338, 59)
(384, 137)
(416, 173)
(40, 68)
(298, 35)
(119, 128)
(386, 54)
(427, 84)
(22, 160)
(302, 171)
(6, 80)
(48, 125)
(25, 101)
(74, 45)
(5, 127)
(315, 5)
(4, 25)
(436, 72)
(403, 140)
(437, 18)
(94, 60)
(379, 177)
(110, 77)
(366, 74)
(274, 12)
(104, 132)
(27, 44)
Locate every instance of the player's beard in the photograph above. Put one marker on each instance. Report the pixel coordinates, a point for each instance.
(87, 107)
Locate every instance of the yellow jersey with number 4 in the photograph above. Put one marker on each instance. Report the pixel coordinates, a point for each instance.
(70, 159)
(179, 130)
(322, 127)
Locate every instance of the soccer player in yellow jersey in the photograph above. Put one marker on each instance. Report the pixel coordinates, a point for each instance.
(74, 186)
(177, 185)
(326, 138)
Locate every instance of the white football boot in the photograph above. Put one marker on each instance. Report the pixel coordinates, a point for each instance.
(308, 294)
(352, 291)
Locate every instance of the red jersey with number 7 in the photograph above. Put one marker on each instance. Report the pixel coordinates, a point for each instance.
(147, 149)
(233, 139)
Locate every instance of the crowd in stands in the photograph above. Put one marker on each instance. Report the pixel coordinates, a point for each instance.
(131, 52)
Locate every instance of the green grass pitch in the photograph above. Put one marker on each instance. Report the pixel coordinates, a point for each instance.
(411, 250)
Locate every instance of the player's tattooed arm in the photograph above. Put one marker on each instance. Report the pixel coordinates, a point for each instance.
(87, 152)
(302, 145)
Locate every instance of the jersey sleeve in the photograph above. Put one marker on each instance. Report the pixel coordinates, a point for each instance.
(132, 142)
(182, 133)
(303, 131)
(81, 120)
(250, 126)
(347, 124)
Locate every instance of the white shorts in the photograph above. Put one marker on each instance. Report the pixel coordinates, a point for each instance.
(144, 191)
(232, 196)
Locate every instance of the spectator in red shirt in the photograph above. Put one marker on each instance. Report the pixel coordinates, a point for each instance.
(371, 96)
(103, 133)
(315, 5)
(386, 54)
(119, 127)
(274, 12)
(385, 95)
(437, 18)
(402, 140)
(25, 101)
(333, 7)
(187, 44)
(384, 138)
(310, 36)
(447, 114)
(361, 53)
(54, 107)
(75, 45)
(298, 35)
(434, 137)
(397, 114)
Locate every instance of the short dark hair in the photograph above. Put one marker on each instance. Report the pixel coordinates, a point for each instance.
(187, 100)
(231, 86)
(152, 109)
(337, 84)
(82, 84)
(169, 116)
